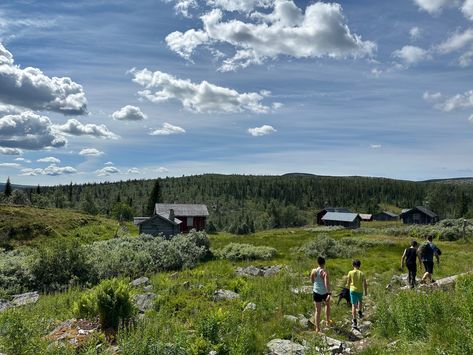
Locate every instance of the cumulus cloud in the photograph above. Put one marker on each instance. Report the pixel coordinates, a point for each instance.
(91, 152)
(9, 110)
(410, 55)
(75, 128)
(433, 6)
(28, 130)
(10, 151)
(23, 160)
(453, 103)
(51, 160)
(166, 130)
(107, 171)
(162, 169)
(129, 113)
(460, 41)
(467, 9)
(261, 131)
(202, 97)
(31, 88)
(109, 163)
(134, 171)
(10, 165)
(241, 5)
(320, 31)
(51, 170)
(415, 33)
(184, 6)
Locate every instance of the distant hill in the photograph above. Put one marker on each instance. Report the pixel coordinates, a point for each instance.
(2, 186)
(461, 180)
(29, 225)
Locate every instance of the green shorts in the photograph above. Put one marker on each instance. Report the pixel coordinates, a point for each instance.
(356, 297)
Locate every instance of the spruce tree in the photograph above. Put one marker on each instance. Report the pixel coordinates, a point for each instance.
(154, 197)
(8, 188)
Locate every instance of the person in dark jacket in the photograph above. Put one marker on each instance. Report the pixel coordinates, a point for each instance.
(427, 252)
(409, 259)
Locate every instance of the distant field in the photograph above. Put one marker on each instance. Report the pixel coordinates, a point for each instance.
(20, 225)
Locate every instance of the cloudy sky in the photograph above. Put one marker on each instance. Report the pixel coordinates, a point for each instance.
(96, 90)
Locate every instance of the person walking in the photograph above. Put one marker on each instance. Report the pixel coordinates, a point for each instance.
(427, 251)
(356, 282)
(409, 258)
(321, 292)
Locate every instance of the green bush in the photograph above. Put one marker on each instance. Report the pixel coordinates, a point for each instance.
(15, 271)
(328, 247)
(237, 252)
(111, 301)
(363, 243)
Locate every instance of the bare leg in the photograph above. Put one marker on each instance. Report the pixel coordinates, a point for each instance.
(318, 309)
(353, 310)
(327, 312)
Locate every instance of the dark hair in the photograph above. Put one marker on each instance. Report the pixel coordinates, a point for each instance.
(356, 263)
(414, 243)
(430, 237)
(321, 261)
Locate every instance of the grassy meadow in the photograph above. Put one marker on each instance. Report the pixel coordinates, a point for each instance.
(185, 319)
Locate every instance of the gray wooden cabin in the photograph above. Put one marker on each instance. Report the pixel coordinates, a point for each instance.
(347, 220)
(385, 216)
(419, 215)
(161, 223)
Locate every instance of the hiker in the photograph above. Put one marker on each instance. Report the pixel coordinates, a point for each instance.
(356, 282)
(426, 252)
(409, 258)
(321, 292)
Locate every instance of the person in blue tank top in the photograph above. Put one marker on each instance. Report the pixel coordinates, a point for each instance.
(321, 292)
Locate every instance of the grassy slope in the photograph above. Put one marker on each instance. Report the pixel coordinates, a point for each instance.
(20, 225)
(180, 309)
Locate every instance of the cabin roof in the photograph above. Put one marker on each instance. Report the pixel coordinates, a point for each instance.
(188, 210)
(421, 209)
(366, 215)
(164, 216)
(340, 216)
(391, 214)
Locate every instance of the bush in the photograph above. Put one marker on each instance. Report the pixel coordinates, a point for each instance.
(15, 271)
(328, 247)
(237, 252)
(110, 301)
(363, 243)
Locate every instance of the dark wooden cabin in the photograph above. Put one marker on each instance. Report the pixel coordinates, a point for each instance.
(419, 215)
(193, 216)
(385, 216)
(322, 213)
(164, 224)
(347, 220)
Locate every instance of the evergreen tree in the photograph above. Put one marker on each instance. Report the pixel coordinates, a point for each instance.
(154, 197)
(8, 188)
(70, 192)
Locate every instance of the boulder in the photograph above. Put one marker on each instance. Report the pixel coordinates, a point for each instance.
(145, 301)
(291, 319)
(148, 288)
(142, 281)
(225, 295)
(4, 305)
(303, 321)
(250, 307)
(285, 347)
(75, 332)
(24, 299)
(264, 271)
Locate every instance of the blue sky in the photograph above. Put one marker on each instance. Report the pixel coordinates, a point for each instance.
(103, 91)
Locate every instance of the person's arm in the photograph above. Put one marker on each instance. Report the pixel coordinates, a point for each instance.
(403, 259)
(348, 281)
(365, 285)
(327, 283)
(312, 275)
(420, 260)
(437, 256)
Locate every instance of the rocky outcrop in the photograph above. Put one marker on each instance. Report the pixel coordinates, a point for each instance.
(19, 300)
(142, 281)
(75, 332)
(225, 295)
(445, 284)
(250, 307)
(264, 271)
(145, 301)
(301, 320)
(285, 347)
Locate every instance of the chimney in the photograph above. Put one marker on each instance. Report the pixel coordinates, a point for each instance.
(171, 214)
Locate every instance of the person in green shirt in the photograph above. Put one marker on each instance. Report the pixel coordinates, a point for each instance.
(356, 282)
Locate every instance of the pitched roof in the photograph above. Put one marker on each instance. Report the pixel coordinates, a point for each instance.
(421, 209)
(164, 216)
(189, 210)
(340, 216)
(366, 216)
(138, 220)
(337, 209)
(391, 214)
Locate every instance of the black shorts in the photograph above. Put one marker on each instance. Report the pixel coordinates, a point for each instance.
(319, 298)
(429, 266)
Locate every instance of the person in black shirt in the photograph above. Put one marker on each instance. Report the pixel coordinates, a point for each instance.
(409, 258)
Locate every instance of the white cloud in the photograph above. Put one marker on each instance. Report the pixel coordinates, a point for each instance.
(51, 160)
(166, 130)
(411, 54)
(28, 130)
(433, 6)
(10, 165)
(9, 110)
(23, 160)
(108, 170)
(134, 171)
(10, 151)
(456, 102)
(162, 169)
(51, 170)
(467, 9)
(261, 131)
(129, 113)
(470, 118)
(75, 128)
(287, 31)
(415, 33)
(31, 88)
(183, 6)
(375, 146)
(457, 41)
(91, 152)
(203, 97)
(108, 163)
(241, 5)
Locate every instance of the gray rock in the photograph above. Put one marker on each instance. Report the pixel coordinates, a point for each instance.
(285, 347)
(145, 301)
(290, 318)
(304, 290)
(186, 285)
(225, 295)
(250, 307)
(264, 271)
(25, 298)
(142, 281)
(4, 305)
(213, 352)
(148, 288)
(303, 321)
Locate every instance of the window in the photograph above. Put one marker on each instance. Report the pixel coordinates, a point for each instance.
(190, 221)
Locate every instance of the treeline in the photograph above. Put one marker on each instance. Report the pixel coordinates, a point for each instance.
(242, 204)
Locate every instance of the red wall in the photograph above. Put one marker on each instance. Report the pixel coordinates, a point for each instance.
(199, 223)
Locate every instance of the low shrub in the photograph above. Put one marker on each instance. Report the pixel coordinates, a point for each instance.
(240, 251)
(15, 271)
(111, 301)
(364, 243)
(328, 247)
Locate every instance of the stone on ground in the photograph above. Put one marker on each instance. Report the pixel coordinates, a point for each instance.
(145, 301)
(25, 298)
(285, 347)
(142, 281)
(264, 271)
(225, 295)
(75, 332)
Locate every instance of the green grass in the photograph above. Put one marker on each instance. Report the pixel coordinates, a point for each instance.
(25, 225)
(186, 316)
